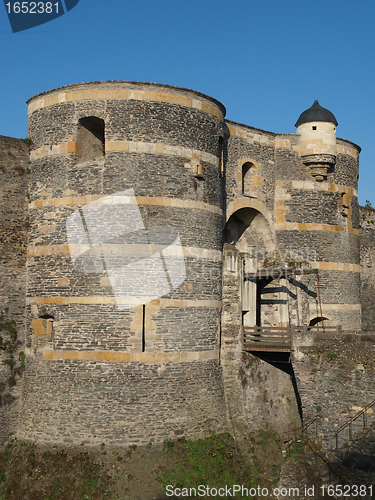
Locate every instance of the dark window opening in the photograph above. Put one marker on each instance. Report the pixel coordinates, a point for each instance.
(143, 328)
(90, 137)
(314, 127)
(261, 285)
(48, 326)
(221, 154)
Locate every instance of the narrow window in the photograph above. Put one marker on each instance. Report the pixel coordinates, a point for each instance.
(314, 127)
(49, 330)
(221, 155)
(248, 170)
(143, 328)
(90, 137)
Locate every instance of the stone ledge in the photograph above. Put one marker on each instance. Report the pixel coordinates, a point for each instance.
(131, 200)
(128, 147)
(138, 357)
(171, 95)
(105, 299)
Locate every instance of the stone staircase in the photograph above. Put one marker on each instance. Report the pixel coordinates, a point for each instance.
(340, 474)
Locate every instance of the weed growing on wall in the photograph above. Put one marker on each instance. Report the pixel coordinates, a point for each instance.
(10, 356)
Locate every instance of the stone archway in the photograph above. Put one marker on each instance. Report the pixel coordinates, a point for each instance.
(249, 232)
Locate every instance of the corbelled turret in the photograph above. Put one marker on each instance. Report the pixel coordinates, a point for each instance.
(317, 146)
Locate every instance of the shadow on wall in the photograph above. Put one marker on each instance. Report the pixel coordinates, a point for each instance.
(271, 398)
(90, 137)
(249, 231)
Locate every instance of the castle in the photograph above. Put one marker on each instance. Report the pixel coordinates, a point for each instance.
(142, 233)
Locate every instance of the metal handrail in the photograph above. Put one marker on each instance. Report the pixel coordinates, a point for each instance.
(310, 422)
(316, 453)
(302, 430)
(331, 468)
(351, 420)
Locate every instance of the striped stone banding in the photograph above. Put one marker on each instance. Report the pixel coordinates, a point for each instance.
(123, 95)
(341, 146)
(129, 147)
(336, 266)
(346, 149)
(193, 252)
(282, 194)
(120, 249)
(132, 200)
(322, 186)
(341, 307)
(109, 300)
(244, 132)
(138, 357)
(297, 226)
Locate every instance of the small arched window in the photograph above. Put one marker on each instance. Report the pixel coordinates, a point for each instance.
(248, 170)
(90, 137)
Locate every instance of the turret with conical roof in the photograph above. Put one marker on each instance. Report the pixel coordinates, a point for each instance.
(317, 146)
(316, 114)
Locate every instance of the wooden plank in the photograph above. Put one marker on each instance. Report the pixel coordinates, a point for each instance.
(279, 273)
(268, 343)
(267, 349)
(266, 328)
(248, 336)
(271, 341)
(267, 335)
(280, 341)
(270, 334)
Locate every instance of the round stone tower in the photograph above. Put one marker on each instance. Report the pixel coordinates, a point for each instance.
(324, 211)
(124, 264)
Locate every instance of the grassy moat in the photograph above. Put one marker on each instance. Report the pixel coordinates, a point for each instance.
(204, 468)
(36, 472)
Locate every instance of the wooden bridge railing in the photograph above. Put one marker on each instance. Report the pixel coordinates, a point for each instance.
(267, 338)
(277, 338)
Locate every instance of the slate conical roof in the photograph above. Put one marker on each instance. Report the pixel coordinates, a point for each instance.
(316, 114)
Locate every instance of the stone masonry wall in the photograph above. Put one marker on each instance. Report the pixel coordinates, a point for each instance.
(321, 219)
(367, 242)
(72, 401)
(14, 156)
(253, 146)
(335, 378)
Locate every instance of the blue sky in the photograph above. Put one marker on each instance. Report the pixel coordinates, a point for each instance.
(265, 61)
